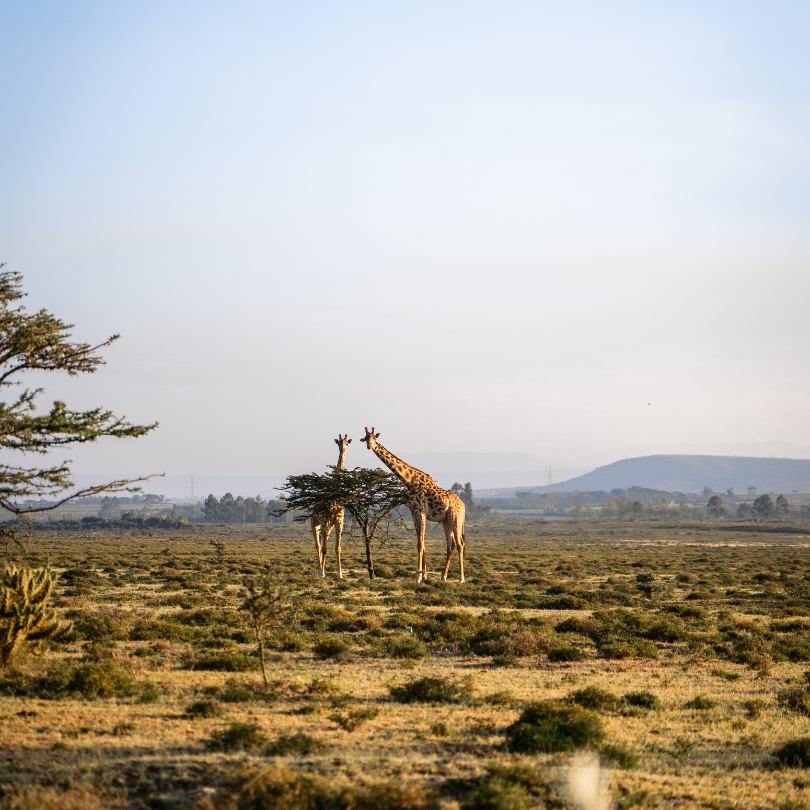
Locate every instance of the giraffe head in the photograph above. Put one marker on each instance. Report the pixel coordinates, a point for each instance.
(371, 438)
(343, 442)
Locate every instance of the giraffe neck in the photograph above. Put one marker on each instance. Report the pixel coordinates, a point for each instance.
(401, 470)
(341, 457)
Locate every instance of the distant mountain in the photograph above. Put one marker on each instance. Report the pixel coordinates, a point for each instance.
(692, 473)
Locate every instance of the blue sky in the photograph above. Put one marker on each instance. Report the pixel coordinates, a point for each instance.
(481, 226)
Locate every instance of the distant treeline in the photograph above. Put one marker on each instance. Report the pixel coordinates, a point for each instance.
(563, 501)
(242, 510)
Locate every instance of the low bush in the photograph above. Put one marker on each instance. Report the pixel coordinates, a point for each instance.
(154, 629)
(238, 693)
(548, 727)
(562, 654)
(798, 700)
(354, 719)
(725, 675)
(624, 757)
(299, 744)
(431, 690)
(331, 648)
(405, 647)
(593, 697)
(279, 787)
(754, 708)
(700, 703)
(321, 686)
(511, 787)
(224, 662)
(795, 754)
(633, 648)
(94, 627)
(237, 737)
(203, 709)
(641, 700)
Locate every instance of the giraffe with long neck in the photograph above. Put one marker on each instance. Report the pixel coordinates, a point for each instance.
(322, 523)
(426, 501)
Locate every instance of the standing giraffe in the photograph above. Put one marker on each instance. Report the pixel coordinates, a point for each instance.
(322, 523)
(427, 501)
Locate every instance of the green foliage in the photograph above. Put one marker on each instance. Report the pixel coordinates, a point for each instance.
(405, 647)
(510, 787)
(795, 754)
(562, 654)
(37, 342)
(798, 700)
(700, 703)
(99, 679)
(204, 709)
(432, 690)
(754, 708)
(641, 700)
(158, 629)
(371, 498)
(593, 697)
(238, 510)
(299, 745)
(354, 719)
(264, 601)
(331, 648)
(237, 737)
(548, 727)
(24, 614)
(621, 755)
(238, 693)
(281, 788)
(225, 662)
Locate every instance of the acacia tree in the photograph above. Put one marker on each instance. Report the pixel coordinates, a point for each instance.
(40, 342)
(372, 499)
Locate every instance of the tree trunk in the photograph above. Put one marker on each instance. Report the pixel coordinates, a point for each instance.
(368, 556)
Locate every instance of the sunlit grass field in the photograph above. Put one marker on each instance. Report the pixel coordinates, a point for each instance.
(140, 704)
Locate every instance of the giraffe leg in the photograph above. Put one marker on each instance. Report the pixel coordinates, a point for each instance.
(419, 526)
(339, 531)
(448, 536)
(460, 544)
(327, 530)
(316, 533)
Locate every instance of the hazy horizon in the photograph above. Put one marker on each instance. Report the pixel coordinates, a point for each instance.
(577, 232)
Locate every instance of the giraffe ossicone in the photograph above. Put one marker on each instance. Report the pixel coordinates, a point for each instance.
(322, 523)
(426, 501)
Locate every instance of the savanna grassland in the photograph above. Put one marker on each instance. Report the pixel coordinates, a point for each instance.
(677, 654)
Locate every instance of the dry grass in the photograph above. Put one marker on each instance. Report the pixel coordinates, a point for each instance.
(160, 617)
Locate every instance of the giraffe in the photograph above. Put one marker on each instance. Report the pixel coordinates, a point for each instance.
(427, 501)
(323, 523)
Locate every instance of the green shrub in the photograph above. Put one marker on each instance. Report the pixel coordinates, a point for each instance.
(95, 628)
(510, 787)
(725, 675)
(547, 727)
(157, 629)
(203, 709)
(299, 744)
(795, 754)
(238, 693)
(440, 730)
(225, 662)
(791, 649)
(282, 788)
(624, 757)
(331, 648)
(354, 719)
(238, 737)
(593, 697)
(634, 648)
(102, 680)
(561, 654)
(405, 647)
(700, 703)
(495, 793)
(150, 693)
(668, 631)
(502, 698)
(753, 708)
(431, 690)
(641, 700)
(321, 686)
(796, 699)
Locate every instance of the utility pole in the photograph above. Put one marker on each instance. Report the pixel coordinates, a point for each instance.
(550, 493)
(191, 487)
